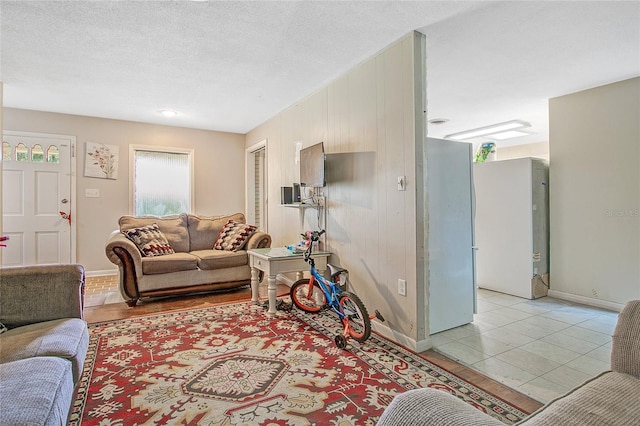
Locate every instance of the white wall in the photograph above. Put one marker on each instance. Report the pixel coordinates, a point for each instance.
(219, 171)
(367, 120)
(594, 188)
(536, 150)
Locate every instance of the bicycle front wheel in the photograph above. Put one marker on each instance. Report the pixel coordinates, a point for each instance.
(309, 298)
(356, 314)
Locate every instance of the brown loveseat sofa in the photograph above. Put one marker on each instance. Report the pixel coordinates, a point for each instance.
(610, 398)
(195, 265)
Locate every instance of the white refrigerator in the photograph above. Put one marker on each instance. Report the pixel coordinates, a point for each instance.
(512, 226)
(452, 289)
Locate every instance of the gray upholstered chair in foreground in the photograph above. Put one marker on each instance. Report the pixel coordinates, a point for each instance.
(611, 398)
(43, 351)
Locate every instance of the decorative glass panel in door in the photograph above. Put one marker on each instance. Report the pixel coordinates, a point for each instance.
(34, 195)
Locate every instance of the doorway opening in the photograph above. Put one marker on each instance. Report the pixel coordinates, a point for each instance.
(256, 178)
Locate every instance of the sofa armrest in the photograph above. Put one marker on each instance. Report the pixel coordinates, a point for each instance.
(625, 350)
(33, 294)
(428, 406)
(258, 240)
(118, 240)
(122, 252)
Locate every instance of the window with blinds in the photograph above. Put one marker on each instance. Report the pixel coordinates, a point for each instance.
(259, 158)
(162, 181)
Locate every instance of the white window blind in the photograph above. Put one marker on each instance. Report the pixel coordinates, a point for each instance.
(162, 182)
(259, 158)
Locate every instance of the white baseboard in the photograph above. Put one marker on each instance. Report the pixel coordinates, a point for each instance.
(401, 339)
(101, 273)
(589, 301)
(394, 336)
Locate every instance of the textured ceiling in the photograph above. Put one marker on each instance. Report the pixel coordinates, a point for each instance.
(231, 65)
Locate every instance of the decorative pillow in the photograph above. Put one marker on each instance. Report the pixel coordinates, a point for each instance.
(174, 228)
(204, 230)
(3, 328)
(234, 236)
(150, 240)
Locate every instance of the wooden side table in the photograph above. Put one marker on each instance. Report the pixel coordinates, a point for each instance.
(274, 261)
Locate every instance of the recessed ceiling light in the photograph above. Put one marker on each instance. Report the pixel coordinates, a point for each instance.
(489, 130)
(438, 121)
(169, 113)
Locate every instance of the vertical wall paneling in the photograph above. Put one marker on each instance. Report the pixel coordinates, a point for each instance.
(1, 132)
(368, 122)
(420, 185)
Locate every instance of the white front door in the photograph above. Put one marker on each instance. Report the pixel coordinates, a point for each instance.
(37, 198)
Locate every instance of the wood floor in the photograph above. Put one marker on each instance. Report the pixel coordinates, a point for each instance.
(114, 311)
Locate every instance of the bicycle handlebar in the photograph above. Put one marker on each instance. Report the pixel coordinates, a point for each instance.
(315, 235)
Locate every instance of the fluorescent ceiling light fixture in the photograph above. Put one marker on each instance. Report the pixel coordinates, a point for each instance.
(489, 130)
(169, 113)
(509, 134)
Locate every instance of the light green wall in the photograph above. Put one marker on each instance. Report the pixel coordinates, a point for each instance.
(594, 189)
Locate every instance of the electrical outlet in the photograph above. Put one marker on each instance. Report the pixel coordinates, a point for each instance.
(402, 287)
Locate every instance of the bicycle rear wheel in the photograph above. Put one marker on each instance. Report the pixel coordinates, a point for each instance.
(306, 297)
(354, 309)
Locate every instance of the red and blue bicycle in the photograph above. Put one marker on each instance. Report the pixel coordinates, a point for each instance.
(318, 293)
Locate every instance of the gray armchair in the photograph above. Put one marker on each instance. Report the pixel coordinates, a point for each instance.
(40, 293)
(42, 352)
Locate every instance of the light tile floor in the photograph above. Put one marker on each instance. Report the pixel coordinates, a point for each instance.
(542, 348)
(100, 290)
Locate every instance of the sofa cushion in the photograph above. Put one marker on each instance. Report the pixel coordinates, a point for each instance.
(217, 259)
(175, 262)
(234, 236)
(173, 227)
(204, 231)
(608, 399)
(150, 240)
(63, 338)
(36, 391)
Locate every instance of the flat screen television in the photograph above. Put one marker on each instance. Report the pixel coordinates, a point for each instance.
(312, 166)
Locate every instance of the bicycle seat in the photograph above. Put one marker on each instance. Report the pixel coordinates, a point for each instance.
(334, 271)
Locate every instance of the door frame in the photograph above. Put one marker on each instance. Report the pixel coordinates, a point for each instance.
(250, 181)
(72, 181)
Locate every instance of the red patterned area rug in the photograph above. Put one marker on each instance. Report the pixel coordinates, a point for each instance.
(235, 365)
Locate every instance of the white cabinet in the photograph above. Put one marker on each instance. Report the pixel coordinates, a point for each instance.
(512, 226)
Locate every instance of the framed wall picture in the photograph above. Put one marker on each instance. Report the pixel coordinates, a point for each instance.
(101, 160)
